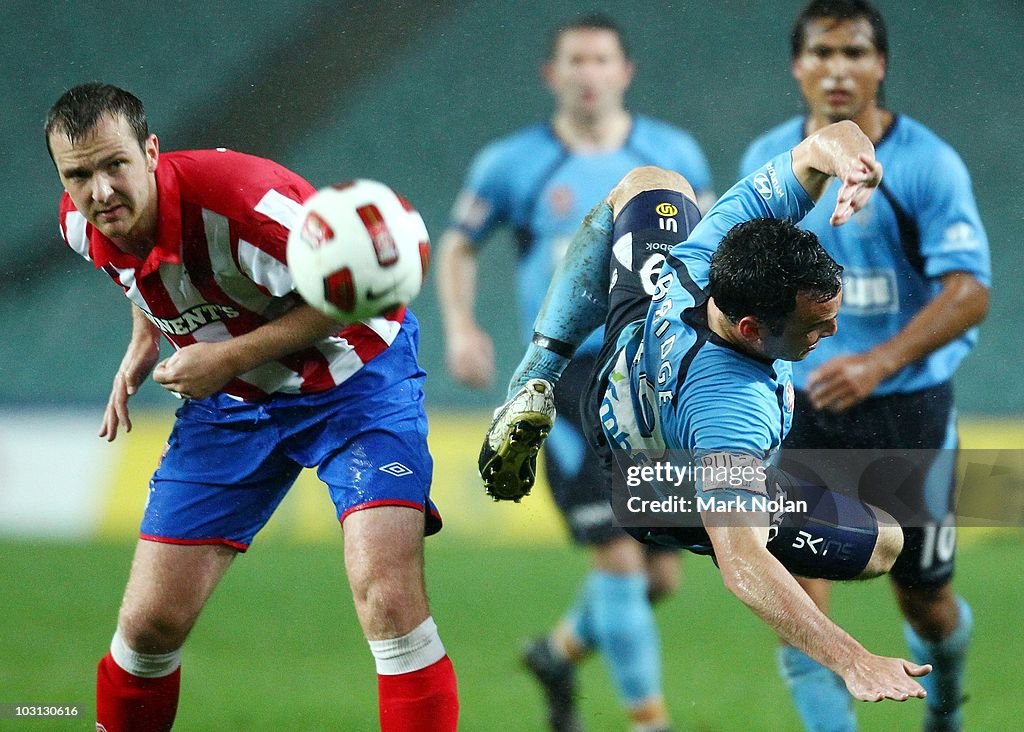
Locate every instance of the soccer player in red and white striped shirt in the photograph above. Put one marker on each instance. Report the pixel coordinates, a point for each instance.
(196, 239)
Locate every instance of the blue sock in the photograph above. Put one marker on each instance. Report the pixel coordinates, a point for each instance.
(623, 630)
(947, 657)
(820, 695)
(580, 618)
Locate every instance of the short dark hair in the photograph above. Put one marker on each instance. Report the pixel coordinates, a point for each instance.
(590, 21)
(839, 10)
(762, 264)
(81, 108)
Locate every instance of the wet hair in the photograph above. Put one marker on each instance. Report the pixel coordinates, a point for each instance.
(590, 21)
(80, 109)
(760, 267)
(839, 10)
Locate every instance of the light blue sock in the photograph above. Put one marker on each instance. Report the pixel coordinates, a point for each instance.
(947, 657)
(580, 618)
(820, 696)
(625, 633)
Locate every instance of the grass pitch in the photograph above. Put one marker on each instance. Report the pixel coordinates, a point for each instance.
(279, 648)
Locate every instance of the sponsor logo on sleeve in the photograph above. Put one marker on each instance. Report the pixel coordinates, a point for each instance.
(959, 237)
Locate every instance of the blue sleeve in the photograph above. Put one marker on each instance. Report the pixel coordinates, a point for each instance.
(771, 191)
(728, 420)
(485, 199)
(728, 416)
(952, 235)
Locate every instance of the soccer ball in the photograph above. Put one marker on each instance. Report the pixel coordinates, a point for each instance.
(359, 250)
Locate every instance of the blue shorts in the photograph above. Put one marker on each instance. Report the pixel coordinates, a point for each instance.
(228, 464)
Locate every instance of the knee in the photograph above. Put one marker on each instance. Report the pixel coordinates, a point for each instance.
(155, 630)
(389, 605)
(664, 575)
(647, 178)
(888, 545)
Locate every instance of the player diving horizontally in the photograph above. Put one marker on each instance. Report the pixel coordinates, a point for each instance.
(699, 361)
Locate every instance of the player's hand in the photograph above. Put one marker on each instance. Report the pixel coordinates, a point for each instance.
(138, 361)
(858, 183)
(844, 382)
(874, 678)
(195, 371)
(470, 356)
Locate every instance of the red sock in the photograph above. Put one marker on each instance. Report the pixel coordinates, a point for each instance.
(127, 703)
(420, 701)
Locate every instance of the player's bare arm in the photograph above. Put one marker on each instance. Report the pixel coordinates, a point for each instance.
(198, 370)
(846, 381)
(139, 359)
(760, 581)
(470, 351)
(843, 151)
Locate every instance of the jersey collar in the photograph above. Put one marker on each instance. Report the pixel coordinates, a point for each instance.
(168, 232)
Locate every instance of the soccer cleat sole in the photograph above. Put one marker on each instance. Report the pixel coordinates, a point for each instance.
(510, 472)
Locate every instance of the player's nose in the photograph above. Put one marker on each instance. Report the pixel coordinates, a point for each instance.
(837, 66)
(102, 190)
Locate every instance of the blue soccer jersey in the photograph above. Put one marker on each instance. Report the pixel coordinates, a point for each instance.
(531, 182)
(676, 385)
(922, 223)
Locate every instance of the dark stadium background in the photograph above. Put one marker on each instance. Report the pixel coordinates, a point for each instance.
(407, 92)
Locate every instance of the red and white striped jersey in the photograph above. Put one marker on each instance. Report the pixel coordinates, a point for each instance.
(218, 267)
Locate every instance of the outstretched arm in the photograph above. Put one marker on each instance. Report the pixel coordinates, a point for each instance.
(760, 581)
(843, 151)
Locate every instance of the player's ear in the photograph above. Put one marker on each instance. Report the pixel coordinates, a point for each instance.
(547, 74)
(152, 150)
(750, 329)
(629, 70)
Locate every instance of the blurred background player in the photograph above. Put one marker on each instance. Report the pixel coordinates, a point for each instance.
(916, 284)
(540, 182)
(197, 241)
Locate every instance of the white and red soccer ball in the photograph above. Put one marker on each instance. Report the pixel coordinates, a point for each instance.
(359, 250)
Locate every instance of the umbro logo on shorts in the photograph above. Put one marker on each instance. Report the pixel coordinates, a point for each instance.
(396, 469)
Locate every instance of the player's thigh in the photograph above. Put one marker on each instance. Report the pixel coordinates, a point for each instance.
(579, 481)
(167, 588)
(929, 550)
(384, 564)
(827, 535)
